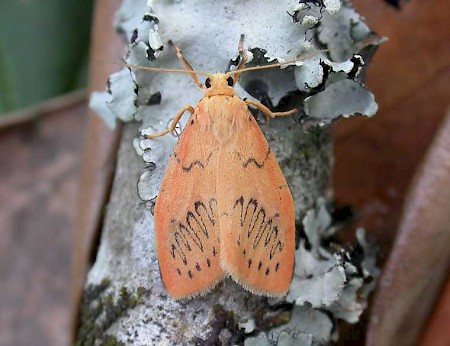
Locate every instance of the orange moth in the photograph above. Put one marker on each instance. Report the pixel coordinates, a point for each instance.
(224, 207)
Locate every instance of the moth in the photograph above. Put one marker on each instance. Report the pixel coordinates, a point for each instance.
(224, 207)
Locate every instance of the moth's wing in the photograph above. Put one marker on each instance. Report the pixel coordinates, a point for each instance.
(186, 224)
(256, 209)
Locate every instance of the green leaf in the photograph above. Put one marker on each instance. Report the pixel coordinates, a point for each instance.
(43, 49)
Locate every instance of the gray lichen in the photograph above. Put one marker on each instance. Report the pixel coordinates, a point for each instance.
(326, 86)
(307, 326)
(331, 89)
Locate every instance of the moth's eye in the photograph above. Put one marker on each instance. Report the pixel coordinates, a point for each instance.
(230, 81)
(208, 83)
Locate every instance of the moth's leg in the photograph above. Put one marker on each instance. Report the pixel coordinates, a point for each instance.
(186, 65)
(174, 123)
(267, 112)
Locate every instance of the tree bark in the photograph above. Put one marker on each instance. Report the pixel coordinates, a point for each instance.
(124, 299)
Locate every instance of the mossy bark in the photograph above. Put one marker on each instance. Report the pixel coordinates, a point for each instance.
(130, 267)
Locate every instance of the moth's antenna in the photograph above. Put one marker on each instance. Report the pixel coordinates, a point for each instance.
(367, 42)
(150, 69)
(187, 66)
(244, 58)
(240, 68)
(155, 69)
(280, 64)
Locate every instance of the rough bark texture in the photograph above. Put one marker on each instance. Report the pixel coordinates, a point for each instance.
(124, 300)
(127, 258)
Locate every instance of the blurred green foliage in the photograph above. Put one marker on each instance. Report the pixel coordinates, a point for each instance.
(44, 47)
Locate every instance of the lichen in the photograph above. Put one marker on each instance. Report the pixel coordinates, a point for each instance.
(329, 281)
(328, 81)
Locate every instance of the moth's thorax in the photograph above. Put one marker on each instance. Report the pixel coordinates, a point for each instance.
(222, 115)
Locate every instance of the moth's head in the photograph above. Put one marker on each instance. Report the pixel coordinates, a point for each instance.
(219, 84)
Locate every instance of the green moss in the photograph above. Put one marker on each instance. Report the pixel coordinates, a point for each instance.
(111, 341)
(99, 311)
(312, 142)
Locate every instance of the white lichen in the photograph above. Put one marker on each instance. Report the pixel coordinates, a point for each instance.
(328, 82)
